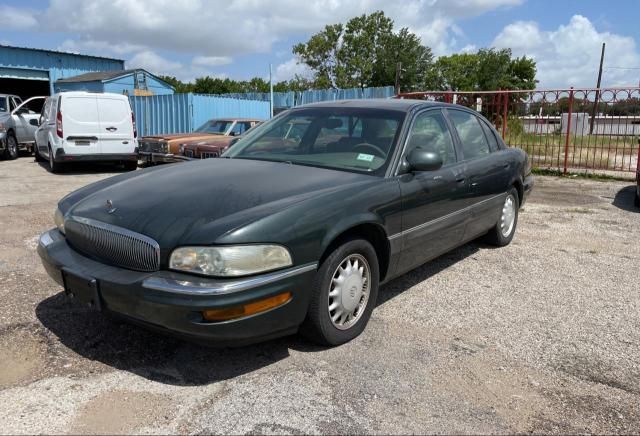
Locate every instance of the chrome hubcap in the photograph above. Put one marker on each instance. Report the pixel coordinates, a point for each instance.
(13, 145)
(349, 291)
(508, 217)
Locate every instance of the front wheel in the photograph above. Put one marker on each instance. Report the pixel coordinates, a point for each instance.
(11, 150)
(502, 233)
(343, 295)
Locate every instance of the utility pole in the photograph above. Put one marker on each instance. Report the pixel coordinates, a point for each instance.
(271, 88)
(595, 102)
(398, 75)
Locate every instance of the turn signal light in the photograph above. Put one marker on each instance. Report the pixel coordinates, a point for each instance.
(252, 308)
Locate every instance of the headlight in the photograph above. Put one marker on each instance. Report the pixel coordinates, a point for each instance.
(58, 218)
(230, 261)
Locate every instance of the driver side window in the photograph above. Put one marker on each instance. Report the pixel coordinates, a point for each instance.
(430, 131)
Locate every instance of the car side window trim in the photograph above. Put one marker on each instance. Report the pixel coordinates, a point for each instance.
(407, 137)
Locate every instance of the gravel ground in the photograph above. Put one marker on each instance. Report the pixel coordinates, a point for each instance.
(541, 336)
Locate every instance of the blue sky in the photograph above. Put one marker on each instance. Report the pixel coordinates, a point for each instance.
(240, 38)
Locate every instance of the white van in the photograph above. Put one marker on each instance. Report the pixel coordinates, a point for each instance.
(84, 126)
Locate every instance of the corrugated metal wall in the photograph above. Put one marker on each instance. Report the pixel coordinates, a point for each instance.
(291, 99)
(178, 113)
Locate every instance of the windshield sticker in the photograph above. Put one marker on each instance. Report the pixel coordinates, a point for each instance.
(365, 157)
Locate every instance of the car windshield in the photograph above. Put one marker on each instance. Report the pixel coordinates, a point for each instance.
(219, 127)
(350, 139)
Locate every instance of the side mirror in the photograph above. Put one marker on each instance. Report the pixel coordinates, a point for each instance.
(420, 159)
(34, 122)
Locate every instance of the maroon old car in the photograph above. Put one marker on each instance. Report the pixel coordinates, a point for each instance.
(211, 147)
(167, 148)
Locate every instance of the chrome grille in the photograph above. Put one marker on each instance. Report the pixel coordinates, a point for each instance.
(153, 146)
(208, 154)
(112, 244)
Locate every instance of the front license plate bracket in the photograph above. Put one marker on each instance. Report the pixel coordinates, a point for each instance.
(81, 288)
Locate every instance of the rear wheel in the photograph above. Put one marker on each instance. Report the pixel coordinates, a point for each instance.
(131, 165)
(502, 233)
(11, 150)
(36, 154)
(54, 167)
(636, 200)
(344, 294)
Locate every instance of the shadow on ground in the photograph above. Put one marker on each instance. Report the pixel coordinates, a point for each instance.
(624, 199)
(173, 361)
(80, 168)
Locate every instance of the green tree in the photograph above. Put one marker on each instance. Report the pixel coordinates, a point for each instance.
(365, 52)
(486, 70)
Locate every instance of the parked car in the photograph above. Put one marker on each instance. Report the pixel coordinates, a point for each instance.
(211, 147)
(275, 239)
(166, 148)
(87, 127)
(18, 124)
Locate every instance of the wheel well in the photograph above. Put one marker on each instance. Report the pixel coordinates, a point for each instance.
(372, 233)
(520, 188)
(11, 132)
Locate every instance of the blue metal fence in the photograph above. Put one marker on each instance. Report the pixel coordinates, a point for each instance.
(178, 113)
(160, 114)
(290, 99)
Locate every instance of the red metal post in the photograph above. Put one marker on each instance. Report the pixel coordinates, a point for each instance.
(505, 97)
(568, 137)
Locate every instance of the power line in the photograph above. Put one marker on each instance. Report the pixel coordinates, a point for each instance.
(622, 68)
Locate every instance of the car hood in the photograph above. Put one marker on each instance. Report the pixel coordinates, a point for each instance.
(181, 137)
(174, 204)
(216, 141)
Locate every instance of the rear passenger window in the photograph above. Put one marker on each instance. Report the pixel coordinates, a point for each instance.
(491, 137)
(430, 131)
(474, 142)
(80, 109)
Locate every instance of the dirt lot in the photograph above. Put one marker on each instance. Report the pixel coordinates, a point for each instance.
(540, 336)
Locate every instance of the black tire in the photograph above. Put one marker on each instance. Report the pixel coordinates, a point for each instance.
(131, 165)
(496, 236)
(36, 154)
(318, 326)
(11, 148)
(636, 199)
(54, 167)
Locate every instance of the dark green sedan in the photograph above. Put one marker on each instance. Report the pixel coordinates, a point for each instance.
(289, 233)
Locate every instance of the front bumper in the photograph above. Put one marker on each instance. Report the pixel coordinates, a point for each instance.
(150, 157)
(172, 302)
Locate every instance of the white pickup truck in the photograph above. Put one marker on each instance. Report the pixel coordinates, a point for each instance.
(18, 124)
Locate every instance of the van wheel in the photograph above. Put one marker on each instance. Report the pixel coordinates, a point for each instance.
(131, 165)
(343, 295)
(502, 233)
(36, 154)
(11, 150)
(54, 167)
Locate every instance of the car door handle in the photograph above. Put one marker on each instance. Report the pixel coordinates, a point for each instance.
(112, 129)
(507, 165)
(460, 179)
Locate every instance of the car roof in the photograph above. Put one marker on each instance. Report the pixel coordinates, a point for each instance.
(399, 104)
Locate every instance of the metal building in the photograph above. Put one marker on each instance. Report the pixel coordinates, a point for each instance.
(27, 72)
(136, 82)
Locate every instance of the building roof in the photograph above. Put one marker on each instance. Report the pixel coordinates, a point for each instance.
(105, 76)
(60, 52)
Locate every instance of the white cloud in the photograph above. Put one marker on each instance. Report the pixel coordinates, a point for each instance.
(216, 29)
(289, 69)
(570, 54)
(18, 18)
(155, 63)
(211, 61)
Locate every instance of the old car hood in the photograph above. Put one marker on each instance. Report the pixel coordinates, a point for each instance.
(172, 204)
(216, 140)
(181, 137)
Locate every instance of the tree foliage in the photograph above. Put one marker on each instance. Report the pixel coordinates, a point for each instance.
(364, 53)
(488, 69)
(216, 85)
